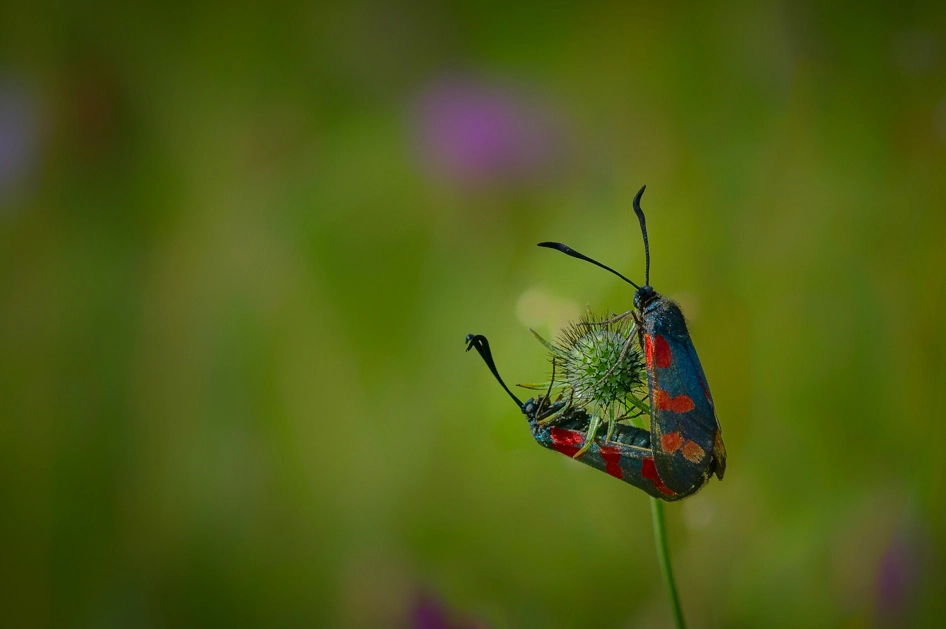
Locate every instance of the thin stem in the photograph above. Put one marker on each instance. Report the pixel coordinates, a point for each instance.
(663, 551)
(663, 558)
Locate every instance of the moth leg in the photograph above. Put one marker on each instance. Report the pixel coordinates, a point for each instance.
(534, 386)
(552, 418)
(630, 413)
(594, 423)
(613, 319)
(555, 416)
(548, 393)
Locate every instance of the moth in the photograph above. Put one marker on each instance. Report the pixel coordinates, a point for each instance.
(684, 447)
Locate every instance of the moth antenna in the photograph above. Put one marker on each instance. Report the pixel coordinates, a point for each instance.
(640, 217)
(571, 252)
(481, 345)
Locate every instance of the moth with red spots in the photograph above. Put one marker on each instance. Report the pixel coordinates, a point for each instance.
(684, 446)
(685, 435)
(562, 427)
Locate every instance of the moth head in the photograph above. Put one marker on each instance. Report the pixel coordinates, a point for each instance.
(643, 296)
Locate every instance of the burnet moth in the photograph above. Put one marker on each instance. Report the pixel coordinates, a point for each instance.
(686, 438)
(627, 455)
(684, 446)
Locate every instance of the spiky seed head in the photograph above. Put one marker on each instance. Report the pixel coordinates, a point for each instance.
(584, 355)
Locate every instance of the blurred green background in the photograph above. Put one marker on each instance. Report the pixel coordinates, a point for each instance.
(241, 245)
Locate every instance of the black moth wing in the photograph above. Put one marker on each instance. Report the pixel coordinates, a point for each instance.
(685, 431)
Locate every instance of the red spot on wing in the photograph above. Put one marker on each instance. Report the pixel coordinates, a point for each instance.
(662, 353)
(671, 441)
(612, 461)
(649, 471)
(568, 442)
(679, 404)
(661, 400)
(682, 404)
(649, 351)
(693, 452)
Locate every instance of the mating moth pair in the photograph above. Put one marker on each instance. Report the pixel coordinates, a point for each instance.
(683, 448)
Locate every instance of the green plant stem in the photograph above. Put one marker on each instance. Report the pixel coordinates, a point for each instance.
(660, 540)
(663, 558)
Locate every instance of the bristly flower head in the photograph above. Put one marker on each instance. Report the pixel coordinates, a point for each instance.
(583, 357)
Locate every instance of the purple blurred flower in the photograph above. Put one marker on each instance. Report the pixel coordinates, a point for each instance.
(18, 135)
(476, 133)
(430, 613)
(898, 575)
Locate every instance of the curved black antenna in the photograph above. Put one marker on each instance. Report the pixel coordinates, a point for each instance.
(571, 252)
(479, 342)
(640, 217)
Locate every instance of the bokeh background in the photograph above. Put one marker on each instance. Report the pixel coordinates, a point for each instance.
(241, 245)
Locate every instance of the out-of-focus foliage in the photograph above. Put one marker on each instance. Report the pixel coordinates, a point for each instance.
(241, 245)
